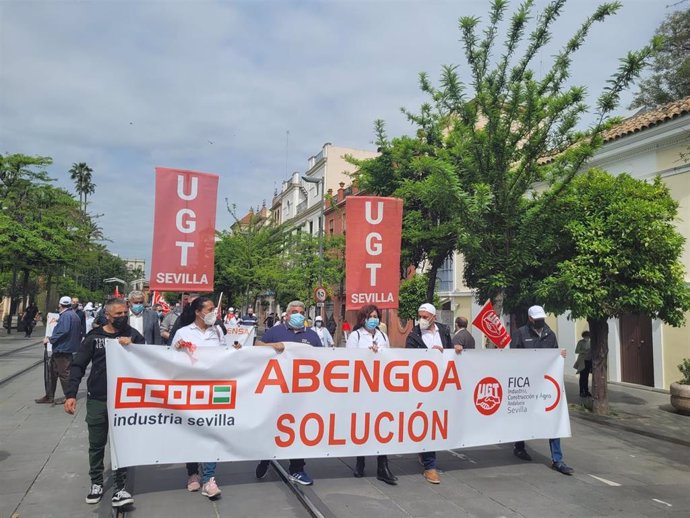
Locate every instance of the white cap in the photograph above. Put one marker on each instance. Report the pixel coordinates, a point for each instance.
(89, 306)
(536, 312)
(231, 309)
(429, 308)
(284, 314)
(65, 301)
(318, 319)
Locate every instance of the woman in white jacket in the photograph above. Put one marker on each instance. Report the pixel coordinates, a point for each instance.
(367, 335)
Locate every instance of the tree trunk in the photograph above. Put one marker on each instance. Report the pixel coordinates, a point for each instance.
(497, 302)
(599, 329)
(431, 284)
(49, 286)
(25, 288)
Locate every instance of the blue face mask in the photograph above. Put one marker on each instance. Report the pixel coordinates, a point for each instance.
(371, 323)
(137, 308)
(296, 320)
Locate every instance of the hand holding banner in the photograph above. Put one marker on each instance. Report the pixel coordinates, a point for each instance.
(490, 324)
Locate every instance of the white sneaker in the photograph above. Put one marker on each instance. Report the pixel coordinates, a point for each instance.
(194, 482)
(95, 494)
(121, 498)
(210, 488)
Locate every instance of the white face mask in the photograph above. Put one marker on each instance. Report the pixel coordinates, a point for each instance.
(424, 324)
(210, 318)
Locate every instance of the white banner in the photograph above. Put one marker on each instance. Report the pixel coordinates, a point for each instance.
(223, 404)
(244, 335)
(51, 322)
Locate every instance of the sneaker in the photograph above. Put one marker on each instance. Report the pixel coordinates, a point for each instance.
(193, 483)
(431, 476)
(122, 497)
(95, 494)
(210, 488)
(522, 454)
(44, 400)
(261, 469)
(301, 477)
(562, 467)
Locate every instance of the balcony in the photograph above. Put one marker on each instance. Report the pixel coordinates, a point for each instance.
(301, 207)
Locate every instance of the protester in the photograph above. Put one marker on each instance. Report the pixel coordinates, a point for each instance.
(292, 331)
(367, 335)
(249, 319)
(270, 320)
(144, 320)
(537, 335)
(583, 364)
(429, 334)
(282, 320)
(79, 310)
(65, 341)
(462, 336)
(169, 322)
(324, 334)
(198, 328)
(29, 319)
(92, 350)
(230, 320)
(158, 310)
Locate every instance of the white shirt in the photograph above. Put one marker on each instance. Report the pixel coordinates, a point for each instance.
(212, 336)
(137, 321)
(432, 337)
(324, 335)
(363, 339)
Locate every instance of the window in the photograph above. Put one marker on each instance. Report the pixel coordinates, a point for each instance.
(445, 275)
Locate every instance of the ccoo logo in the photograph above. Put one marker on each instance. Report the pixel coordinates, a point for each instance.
(488, 395)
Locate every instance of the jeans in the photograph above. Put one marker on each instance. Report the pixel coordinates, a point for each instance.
(208, 470)
(554, 446)
(428, 459)
(97, 422)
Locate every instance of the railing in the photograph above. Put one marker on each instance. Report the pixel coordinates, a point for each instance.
(301, 207)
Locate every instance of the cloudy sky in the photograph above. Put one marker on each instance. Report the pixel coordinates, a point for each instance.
(215, 85)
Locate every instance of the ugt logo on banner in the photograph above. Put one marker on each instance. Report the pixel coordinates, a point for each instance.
(184, 230)
(490, 324)
(372, 251)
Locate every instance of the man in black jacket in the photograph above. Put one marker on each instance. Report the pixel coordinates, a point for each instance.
(537, 335)
(429, 334)
(92, 350)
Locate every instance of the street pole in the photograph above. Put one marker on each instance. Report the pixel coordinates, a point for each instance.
(320, 184)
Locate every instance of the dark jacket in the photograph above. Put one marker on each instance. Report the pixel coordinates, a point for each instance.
(527, 338)
(415, 341)
(92, 350)
(464, 338)
(67, 334)
(82, 318)
(152, 328)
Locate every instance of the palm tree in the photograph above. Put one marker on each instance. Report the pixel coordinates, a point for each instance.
(81, 175)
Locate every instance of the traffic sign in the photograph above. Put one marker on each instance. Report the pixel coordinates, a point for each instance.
(320, 294)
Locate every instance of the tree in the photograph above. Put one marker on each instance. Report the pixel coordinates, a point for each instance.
(81, 174)
(497, 137)
(670, 79)
(619, 253)
(412, 291)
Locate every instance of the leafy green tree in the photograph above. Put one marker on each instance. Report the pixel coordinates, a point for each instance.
(496, 137)
(670, 79)
(619, 253)
(412, 293)
(82, 176)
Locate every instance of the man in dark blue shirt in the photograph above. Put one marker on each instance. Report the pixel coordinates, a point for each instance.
(293, 330)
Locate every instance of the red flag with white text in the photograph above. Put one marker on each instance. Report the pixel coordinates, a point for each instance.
(490, 324)
(372, 251)
(184, 231)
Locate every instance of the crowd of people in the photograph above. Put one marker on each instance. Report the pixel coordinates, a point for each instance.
(196, 321)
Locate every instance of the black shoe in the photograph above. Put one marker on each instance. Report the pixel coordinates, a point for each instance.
(44, 400)
(522, 454)
(359, 468)
(562, 467)
(261, 469)
(383, 473)
(95, 494)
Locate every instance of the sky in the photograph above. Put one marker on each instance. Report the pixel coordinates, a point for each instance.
(246, 89)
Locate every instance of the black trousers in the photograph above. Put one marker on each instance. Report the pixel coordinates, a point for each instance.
(584, 377)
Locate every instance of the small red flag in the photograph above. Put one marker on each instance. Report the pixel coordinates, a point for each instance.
(117, 292)
(490, 324)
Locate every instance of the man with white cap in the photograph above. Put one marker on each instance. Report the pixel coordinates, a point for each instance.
(324, 334)
(429, 334)
(65, 340)
(537, 335)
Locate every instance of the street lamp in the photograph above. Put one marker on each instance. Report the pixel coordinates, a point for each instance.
(321, 214)
(116, 280)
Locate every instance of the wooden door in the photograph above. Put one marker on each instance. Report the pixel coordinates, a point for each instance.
(637, 358)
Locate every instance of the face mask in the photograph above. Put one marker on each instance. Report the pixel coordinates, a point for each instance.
(318, 324)
(160, 313)
(538, 323)
(296, 321)
(120, 322)
(137, 308)
(424, 324)
(210, 318)
(372, 323)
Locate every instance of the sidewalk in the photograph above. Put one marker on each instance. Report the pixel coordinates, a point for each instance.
(635, 409)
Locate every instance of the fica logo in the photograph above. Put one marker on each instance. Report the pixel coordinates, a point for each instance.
(176, 395)
(488, 395)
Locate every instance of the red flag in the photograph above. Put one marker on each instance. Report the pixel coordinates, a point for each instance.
(184, 230)
(490, 324)
(372, 251)
(158, 299)
(116, 295)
